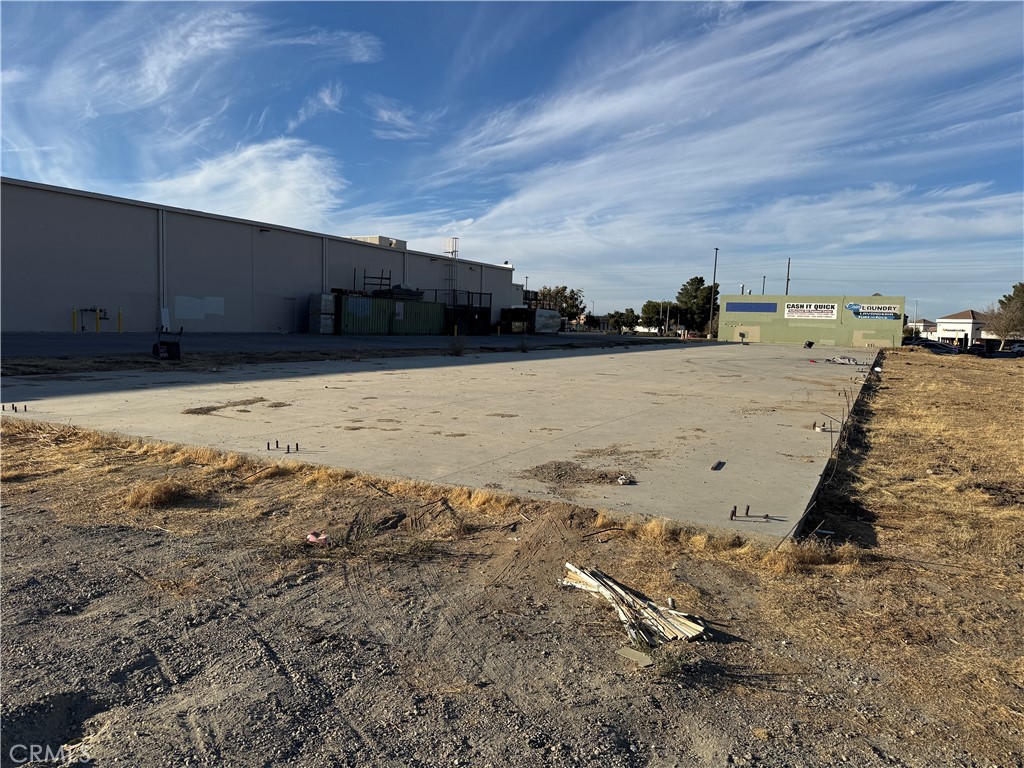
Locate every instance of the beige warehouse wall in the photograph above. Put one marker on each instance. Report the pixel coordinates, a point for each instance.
(286, 269)
(62, 250)
(209, 274)
(66, 248)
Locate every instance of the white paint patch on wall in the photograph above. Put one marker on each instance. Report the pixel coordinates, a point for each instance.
(194, 308)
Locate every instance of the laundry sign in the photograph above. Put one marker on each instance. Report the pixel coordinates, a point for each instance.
(876, 311)
(811, 311)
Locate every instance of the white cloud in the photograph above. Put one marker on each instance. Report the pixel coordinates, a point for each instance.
(11, 76)
(633, 169)
(356, 47)
(399, 121)
(283, 181)
(327, 99)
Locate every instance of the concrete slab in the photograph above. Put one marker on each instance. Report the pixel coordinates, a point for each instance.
(663, 415)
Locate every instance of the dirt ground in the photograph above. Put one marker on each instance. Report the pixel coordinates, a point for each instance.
(160, 607)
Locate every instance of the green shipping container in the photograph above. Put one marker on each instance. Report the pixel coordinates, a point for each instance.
(368, 315)
(421, 318)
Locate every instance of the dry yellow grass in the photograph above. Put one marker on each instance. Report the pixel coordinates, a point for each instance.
(157, 494)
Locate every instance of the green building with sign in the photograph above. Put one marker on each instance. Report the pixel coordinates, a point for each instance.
(831, 321)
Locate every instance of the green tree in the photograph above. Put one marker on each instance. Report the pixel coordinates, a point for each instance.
(623, 321)
(630, 320)
(568, 301)
(1014, 298)
(1005, 320)
(652, 314)
(694, 303)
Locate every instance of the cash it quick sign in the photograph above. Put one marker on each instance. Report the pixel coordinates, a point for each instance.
(810, 311)
(876, 311)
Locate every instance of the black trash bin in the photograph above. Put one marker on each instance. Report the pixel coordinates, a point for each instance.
(808, 344)
(167, 350)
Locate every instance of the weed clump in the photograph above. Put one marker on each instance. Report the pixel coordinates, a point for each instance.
(157, 494)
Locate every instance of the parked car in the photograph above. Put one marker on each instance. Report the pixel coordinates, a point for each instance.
(1018, 348)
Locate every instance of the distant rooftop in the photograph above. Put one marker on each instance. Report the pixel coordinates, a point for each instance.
(967, 314)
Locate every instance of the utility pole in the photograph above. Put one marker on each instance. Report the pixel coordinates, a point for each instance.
(714, 276)
(763, 278)
(788, 262)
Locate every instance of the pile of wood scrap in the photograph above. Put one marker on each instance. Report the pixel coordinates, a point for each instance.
(647, 623)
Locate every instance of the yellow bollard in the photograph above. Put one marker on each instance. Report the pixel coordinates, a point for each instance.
(456, 329)
(97, 320)
(118, 319)
(74, 319)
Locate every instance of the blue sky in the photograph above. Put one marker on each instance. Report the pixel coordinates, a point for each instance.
(610, 147)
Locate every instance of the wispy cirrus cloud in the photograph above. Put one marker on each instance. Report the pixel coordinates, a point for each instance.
(687, 138)
(326, 99)
(355, 47)
(395, 120)
(167, 75)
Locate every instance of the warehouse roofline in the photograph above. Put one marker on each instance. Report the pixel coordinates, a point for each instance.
(233, 219)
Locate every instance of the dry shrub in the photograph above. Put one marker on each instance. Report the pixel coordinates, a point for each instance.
(805, 556)
(12, 427)
(157, 450)
(705, 541)
(482, 500)
(232, 461)
(94, 441)
(158, 493)
(325, 476)
(44, 433)
(280, 469)
(605, 519)
(675, 661)
(658, 531)
(415, 489)
(198, 454)
(450, 525)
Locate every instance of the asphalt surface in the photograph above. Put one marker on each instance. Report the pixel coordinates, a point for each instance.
(697, 429)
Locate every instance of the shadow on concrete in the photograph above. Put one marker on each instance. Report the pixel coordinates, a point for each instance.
(46, 366)
(61, 345)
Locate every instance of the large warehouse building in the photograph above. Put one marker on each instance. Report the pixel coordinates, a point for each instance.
(75, 260)
(836, 321)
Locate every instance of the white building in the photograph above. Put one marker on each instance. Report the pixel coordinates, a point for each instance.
(961, 329)
(925, 328)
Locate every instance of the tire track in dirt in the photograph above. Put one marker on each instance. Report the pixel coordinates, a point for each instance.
(470, 618)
